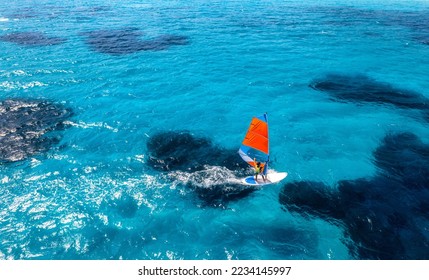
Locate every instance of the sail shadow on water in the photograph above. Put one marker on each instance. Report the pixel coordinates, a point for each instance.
(195, 162)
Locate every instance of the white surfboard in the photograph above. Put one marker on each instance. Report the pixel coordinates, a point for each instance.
(272, 178)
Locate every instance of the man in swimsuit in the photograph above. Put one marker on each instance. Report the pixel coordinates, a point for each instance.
(258, 170)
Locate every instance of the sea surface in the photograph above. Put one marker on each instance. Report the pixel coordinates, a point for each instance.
(120, 123)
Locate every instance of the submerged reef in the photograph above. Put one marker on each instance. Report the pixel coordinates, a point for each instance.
(128, 40)
(385, 216)
(198, 164)
(36, 39)
(180, 150)
(362, 89)
(27, 126)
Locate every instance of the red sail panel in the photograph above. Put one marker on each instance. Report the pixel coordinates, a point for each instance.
(257, 135)
(256, 141)
(259, 127)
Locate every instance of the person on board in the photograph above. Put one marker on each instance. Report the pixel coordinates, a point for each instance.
(259, 169)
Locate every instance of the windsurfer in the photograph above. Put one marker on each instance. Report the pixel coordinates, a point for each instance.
(259, 169)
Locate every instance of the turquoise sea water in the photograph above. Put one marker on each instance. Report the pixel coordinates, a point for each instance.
(92, 195)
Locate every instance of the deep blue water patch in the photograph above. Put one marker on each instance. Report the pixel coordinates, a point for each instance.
(24, 13)
(386, 216)
(94, 9)
(416, 21)
(345, 16)
(27, 126)
(363, 89)
(128, 40)
(423, 39)
(404, 158)
(36, 39)
(125, 205)
(182, 151)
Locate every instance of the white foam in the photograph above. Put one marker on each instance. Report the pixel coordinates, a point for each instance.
(13, 73)
(85, 125)
(35, 162)
(89, 169)
(5, 179)
(206, 178)
(3, 19)
(103, 218)
(18, 85)
(48, 225)
(136, 6)
(38, 177)
(47, 71)
(140, 158)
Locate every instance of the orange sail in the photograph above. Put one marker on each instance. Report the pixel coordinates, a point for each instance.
(255, 145)
(257, 136)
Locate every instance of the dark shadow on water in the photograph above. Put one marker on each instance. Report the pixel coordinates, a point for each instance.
(27, 127)
(385, 216)
(32, 39)
(181, 150)
(128, 40)
(362, 89)
(23, 13)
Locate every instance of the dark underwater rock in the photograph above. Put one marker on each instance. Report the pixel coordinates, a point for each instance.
(404, 157)
(385, 216)
(36, 39)
(201, 166)
(360, 88)
(128, 40)
(114, 42)
(26, 127)
(180, 150)
(219, 195)
(309, 198)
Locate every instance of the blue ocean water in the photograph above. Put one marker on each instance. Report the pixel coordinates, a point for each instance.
(130, 70)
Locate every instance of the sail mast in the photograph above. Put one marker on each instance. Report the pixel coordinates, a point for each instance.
(268, 137)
